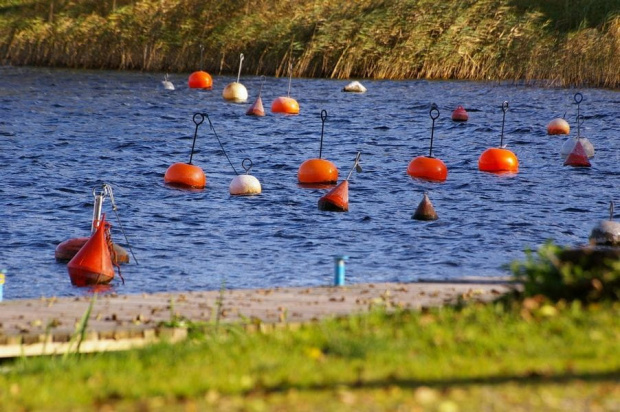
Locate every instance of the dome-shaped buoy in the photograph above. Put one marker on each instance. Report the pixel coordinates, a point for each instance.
(93, 263)
(577, 157)
(354, 87)
(425, 210)
(337, 199)
(286, 105)
(257, 109)
(429, 168)
(245, 185)
(607, 232)
(187, 175)
(558, 126)
(460, 114)
(235, 91)
(320, 171)
(499, 159)
(167, 83)
(200, 80)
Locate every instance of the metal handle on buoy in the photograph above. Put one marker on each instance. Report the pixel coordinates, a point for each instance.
(578, 98)
(290, 78)
(247, 168)
(323, 118)
(240, 63)
(504, 109)
(197, 123)
(434, 109)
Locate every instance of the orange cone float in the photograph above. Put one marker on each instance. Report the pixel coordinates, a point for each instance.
(499, 160)
(429, 168)
(460, 114)
(186, 175)
(318, 171)
(286, 105)
(200, 79)
(558, 126)
(257, 108)
(425, 210)
(235, 91)
(337, 199)
(93, 265)
(577, 157)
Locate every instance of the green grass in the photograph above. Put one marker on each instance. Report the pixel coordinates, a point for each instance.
(530, 355)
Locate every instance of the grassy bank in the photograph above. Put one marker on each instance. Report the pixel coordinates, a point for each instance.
(565, 43)
(533, 355)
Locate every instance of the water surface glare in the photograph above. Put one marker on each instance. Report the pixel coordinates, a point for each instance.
(65, 132)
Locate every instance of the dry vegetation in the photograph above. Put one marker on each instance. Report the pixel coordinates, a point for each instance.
(525, 40)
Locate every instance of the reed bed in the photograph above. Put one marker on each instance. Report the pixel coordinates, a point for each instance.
(563, 43)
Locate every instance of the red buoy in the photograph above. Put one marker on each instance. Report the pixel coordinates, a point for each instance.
(317, 171)
(185, 175)
(578, 156)
(428, 168)
(558, 126)
(337, 199)
(498, 160)
(286, 105)
(93, 263)
(200, 80)
(257, 108)
(460, 114)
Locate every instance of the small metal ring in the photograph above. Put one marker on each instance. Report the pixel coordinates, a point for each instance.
(247, 168)
(578, 97)
(323, 115)
(202, 118)
(505, 106)
(433, 108)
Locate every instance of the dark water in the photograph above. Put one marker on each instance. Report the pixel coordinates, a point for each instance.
(63, 133)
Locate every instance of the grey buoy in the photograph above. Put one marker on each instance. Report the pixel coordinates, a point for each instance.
(354, 87)
(245, 185)
(425, 210)
(167, 83)
(607, 232)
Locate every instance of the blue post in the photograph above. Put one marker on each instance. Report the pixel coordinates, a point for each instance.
(2, 272)
(339, 270)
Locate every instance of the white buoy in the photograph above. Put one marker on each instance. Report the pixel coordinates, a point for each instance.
(235, 91)
(355, 87)
(167, 83)
(245, 185)
(569, 145)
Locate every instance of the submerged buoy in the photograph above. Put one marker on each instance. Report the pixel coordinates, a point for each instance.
(354, 87)
(235, 91)
(425, 210)
(499, 159)
(167, 83)
(93, 265)
(286, 105)
(558, 126)
(429, 167)
(321, 171)
(187, 175)
(460, 114)
(569, 145)
(577, 157)
(200, 80)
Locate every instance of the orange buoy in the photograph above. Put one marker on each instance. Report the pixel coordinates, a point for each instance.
(93, 263)
(558, 126)
(286, 105)
(65, 251)
(257, 108)
(317, 171)
(337, 199)
(578, 156)
(460, 114)
(425, 210)
(200, 80)
(428, 168)
(499, 160)
(185, 175)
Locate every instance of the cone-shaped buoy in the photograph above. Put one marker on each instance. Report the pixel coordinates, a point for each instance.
(570, 143)
(200, 80)
(429, 168)
(577, 157)
(354, 87)
(257, 108)
(460, 114)
(235, 91)
(187, 175)
(499, 159)
(286, 105)
(558, 126)
(319, 170)
(93, 263)
(167, 83)
(425, 210)
(245, 185)
(337, 199)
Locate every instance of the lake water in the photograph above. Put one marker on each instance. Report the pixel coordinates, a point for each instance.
(65, 132)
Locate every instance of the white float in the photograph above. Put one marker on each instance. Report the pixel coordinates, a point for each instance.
(558, 126)
(569, 144)
(167, 83)
(355, 87)
(245, 185)
(235, 91)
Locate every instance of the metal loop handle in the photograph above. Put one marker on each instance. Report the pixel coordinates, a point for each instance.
(323, 118)
(434, 109)
(202, 118)
(578, 97)
(505, 106)
(247, 168)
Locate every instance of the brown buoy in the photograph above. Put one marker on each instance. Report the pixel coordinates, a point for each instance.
(257, 108)
(425, 210)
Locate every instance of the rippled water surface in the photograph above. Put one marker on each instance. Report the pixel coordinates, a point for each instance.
(63, 133)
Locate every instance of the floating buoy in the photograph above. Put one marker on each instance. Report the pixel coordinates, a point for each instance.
(235, 91)
(257, 108)
(499, 159)
(558, 126)
(337, 199)
(429, 168)
(425, 210)
(93, 265)
(200, 80)
(570, 143)
(286, 105)
(577, 157)
(354, 87)
(321, 171)
(187, 175)
(460, 114)
(607, 232)
(245, 185)
(167, 83)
